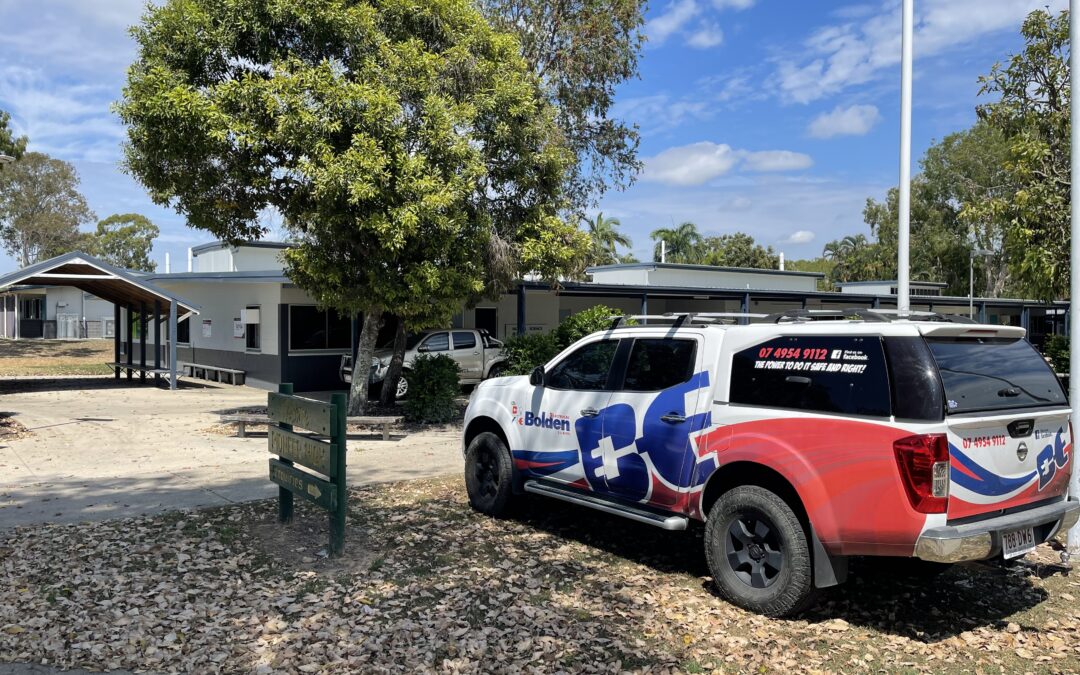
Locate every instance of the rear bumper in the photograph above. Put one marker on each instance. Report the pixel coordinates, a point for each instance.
(982, 539)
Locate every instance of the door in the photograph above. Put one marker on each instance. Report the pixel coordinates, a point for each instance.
(487, 318)
(658, 403)
(469, 355)
(561, 425)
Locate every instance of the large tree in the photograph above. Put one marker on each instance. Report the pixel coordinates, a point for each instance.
(125, 240)
(681, 244)
(406, 145)
(738, 250)
(41, 208)
(582, 50)
(1032, 113)
(10, 145)
(605, 238)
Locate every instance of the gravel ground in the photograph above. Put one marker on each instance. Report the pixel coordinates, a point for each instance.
(428, 585)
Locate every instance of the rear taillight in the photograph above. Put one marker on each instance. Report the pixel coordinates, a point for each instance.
(924, 469)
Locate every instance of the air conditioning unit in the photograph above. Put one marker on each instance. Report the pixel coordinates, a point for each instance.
(249, 316)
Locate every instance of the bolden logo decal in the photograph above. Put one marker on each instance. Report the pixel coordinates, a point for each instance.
(543, 420)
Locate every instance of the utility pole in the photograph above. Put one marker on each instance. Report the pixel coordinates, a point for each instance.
(1073, 547)
(903, 263)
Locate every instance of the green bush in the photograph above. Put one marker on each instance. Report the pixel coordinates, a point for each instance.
(525, 352)
(1056, 348)
(577, 326)
(433, 386)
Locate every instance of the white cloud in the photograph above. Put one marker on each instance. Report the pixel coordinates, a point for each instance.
(854, 52)
(855, 120)
(659, 112)
(707, 35)
(798, 237)
(692, 164)
(733, 4)
(698, 163)
(741, 203)
(675, 17)
(776, 160)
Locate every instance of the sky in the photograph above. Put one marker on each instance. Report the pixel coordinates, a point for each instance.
(778, 118)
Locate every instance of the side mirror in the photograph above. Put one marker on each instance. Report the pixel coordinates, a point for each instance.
(536, 378)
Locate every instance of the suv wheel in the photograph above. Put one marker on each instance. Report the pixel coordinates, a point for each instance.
(489, 474)
(402, 385)
(757, 552)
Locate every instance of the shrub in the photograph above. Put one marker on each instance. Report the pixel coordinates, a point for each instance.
(1056, 348)
(577, 326)
(433, 386)
(525, 352)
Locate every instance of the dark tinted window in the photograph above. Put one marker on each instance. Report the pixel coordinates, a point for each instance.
(587, 367)
(659, 363)
(183, 331)
(464, 340)
(439, 342)
(313, 328)
(993, 374)
(844, 375)
(916, 389)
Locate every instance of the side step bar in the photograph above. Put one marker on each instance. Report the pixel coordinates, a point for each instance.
(666, 522)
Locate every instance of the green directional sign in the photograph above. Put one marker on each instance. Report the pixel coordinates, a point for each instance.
(325, 456)
(300, 412)
(302, 483)
(303, 450)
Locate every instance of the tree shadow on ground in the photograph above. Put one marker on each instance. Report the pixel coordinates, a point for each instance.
(23, 385)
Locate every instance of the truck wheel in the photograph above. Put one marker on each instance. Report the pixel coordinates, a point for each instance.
(757, 552)
(402, 385)
(489, 474)
(496, 370)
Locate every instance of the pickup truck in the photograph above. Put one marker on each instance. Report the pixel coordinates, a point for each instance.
(794, 443)
(478, 355)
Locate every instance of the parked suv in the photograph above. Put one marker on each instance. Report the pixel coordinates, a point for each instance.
(477, 354)
(796, 442)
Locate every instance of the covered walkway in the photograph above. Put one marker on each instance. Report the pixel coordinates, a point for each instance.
(138, 301)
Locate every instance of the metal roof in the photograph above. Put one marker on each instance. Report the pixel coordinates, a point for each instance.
(702, 268)
(250, 276)
(888, 282)
(97, 277)
(213, 245)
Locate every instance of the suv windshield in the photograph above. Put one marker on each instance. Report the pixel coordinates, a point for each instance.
(994, 374)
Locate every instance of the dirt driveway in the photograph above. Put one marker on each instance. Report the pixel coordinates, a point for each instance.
(99, 449)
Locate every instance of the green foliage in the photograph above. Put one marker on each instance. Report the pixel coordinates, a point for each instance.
(1032, 114)
(585, 322)
(1056, 348)
(433, 386)
(527, 351)
(41, 208)
(125, 240)
(821, 265)
(582, 50)
(9, 144)
(407, 146)
(604, 237)
(682, 244)
(738, 250)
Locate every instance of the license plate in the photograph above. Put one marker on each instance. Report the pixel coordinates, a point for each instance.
(1018, 542)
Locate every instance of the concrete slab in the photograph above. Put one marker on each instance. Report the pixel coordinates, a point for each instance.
(101, 450)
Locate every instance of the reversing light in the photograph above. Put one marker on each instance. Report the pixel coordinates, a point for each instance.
(923, 462)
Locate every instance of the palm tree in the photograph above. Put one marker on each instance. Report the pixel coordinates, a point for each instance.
(605, 236)
(682, 244)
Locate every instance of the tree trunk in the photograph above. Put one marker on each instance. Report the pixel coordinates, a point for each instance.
(393, 373)
(361, 372)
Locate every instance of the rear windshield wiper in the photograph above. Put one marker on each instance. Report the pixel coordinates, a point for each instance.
(1008, 391)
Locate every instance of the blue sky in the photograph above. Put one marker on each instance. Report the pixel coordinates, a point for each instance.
(772, 117)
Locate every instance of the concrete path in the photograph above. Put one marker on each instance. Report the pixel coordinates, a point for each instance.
(101, 450)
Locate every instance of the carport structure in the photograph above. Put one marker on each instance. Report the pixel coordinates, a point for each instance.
(130, 293)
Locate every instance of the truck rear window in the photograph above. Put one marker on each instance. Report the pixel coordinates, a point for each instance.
(994, 374)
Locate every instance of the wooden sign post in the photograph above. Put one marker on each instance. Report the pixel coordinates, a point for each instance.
(322, 450)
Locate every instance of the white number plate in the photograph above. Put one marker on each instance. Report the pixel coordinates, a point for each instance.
(1018, 542)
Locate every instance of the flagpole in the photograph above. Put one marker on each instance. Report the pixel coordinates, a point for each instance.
(1073, 546)
(903, 298)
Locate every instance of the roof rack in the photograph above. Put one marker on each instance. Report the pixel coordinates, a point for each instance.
(850, 313)
(684, 318)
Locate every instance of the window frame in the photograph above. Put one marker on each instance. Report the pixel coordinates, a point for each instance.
(618, 363)
(326, 328)
(620, 379)
(247, 331)
(453, 340)
(420, 348)
(884, 361)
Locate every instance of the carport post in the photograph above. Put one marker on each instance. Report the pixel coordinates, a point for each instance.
(116, 338)
(157, 342)
(744, 320)
(172, 344)
(142, 342)
(127, 327)
(521, 309)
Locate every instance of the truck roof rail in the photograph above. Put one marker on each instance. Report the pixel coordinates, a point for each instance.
(682, 318)
(846, 314)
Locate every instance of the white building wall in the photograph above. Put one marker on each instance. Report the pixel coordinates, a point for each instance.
(256, 259)
(221, 303)
(216, 260)
(690, 278)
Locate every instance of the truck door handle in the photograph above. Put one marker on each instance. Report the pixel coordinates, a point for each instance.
(673, 418)
(476, 353)
(589, 412)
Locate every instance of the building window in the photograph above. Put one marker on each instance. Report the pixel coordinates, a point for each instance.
(253, 330)
(32, 308)
(311, 328)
